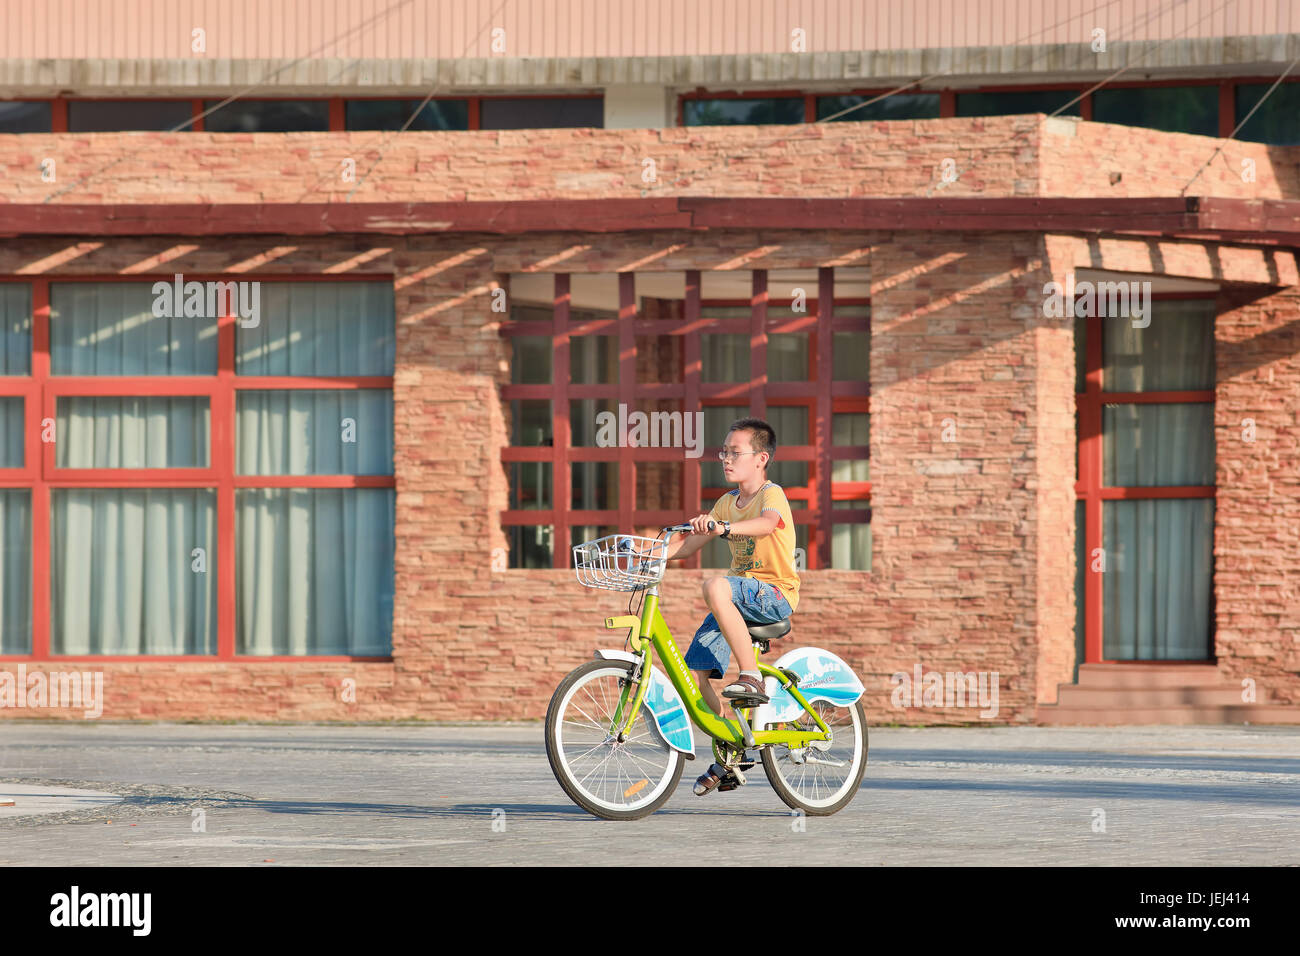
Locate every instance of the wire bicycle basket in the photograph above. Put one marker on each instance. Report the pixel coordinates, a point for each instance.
(620, 562)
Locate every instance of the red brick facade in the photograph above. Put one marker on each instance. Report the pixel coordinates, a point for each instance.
(973, 555)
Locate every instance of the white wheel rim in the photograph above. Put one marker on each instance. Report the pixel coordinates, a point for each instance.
(819, 778)
(602, 772)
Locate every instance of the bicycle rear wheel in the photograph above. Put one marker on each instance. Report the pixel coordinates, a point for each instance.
(612, 780)
(823, 777)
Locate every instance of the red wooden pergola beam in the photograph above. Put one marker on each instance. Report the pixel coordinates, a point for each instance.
(1273, 220)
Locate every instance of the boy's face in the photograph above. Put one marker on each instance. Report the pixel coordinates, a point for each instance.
(748, 464)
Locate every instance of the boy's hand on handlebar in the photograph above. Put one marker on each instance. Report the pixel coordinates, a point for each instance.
(704, 524)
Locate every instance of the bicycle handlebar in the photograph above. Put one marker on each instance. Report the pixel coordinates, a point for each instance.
(686, 527)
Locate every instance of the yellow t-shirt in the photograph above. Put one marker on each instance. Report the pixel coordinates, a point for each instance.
(771, 557)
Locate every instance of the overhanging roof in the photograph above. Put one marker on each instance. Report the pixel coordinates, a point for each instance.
(1210, 218)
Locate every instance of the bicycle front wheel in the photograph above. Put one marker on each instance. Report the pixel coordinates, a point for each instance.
(823, 777)
(612, 780)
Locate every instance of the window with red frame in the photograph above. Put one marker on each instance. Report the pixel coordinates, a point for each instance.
(790, 346)
(191, 480)
(1146, 484)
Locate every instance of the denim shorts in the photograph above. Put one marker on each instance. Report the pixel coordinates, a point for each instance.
(758, 601)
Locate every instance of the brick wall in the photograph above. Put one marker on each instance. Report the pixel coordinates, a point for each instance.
(972, 563)
(1257, 520)
(992, 156)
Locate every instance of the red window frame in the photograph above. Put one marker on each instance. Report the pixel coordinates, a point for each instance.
(818, 393)
(1088, 486)
(41, 391)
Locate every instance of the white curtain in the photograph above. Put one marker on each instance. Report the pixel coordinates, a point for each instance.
(15, 571)
(162, 431)
(314, 570)
(12, 431)
(1157, 583)
(125, 575)
(108, 328)
(320, 328)
(314, 432)
(15, 328)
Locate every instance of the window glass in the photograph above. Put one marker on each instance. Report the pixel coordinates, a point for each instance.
(319, 328)
(1175, 352)
(109, 328)
(851, 543)
(92, 116)
(125, 575)
(1017, 102)
(900, 106)
(1157, 594)
(154, 431)
(18, 117)
(851, 429)
(852, 356)
(530, 363)
(594, 486)
(593, 359)
(12, 431)
(530, 485)
(1145, 445)
(787, 357)
(15, 328)
(15, 571)
(530, 422)
(1177, 109)
(724, 357)
(539, 112)
(393, 114)
(314, 432)
(314, 571)
(268, 116)
(1277, 121)
(530, 545)
(743, 112)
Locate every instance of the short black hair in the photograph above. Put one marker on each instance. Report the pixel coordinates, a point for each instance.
(762, 435)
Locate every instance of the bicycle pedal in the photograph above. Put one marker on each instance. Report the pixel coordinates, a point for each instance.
(732, 780)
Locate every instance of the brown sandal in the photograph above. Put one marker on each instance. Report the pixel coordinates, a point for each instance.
(710, 780)
(746, 688)
(715, 778)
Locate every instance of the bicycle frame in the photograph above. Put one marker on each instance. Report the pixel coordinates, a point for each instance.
(649, 633)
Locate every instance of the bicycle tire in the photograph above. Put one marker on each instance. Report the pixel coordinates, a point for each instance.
(663, 789)
(792, 799)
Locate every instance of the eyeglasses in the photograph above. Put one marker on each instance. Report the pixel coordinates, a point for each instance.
(733, 455)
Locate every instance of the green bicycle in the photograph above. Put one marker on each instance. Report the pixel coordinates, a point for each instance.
(618, 732)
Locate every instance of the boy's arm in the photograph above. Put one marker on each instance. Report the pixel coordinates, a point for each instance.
(764, 524)
(685, 546)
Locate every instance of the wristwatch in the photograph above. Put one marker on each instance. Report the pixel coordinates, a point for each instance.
(726, 530)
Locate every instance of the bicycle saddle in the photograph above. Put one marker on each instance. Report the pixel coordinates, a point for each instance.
(768, 632)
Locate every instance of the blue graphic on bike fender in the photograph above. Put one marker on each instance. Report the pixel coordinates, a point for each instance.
(822, 676)
(664, 703)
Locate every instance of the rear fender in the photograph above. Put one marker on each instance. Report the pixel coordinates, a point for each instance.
(670, 720)
(822, 676)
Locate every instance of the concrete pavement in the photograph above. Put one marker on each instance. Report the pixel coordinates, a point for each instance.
(240, 795)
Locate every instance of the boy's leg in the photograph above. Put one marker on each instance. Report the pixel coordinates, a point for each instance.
(720, 597)
(708, 690)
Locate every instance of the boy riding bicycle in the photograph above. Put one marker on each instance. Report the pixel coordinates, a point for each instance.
(761, 586)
